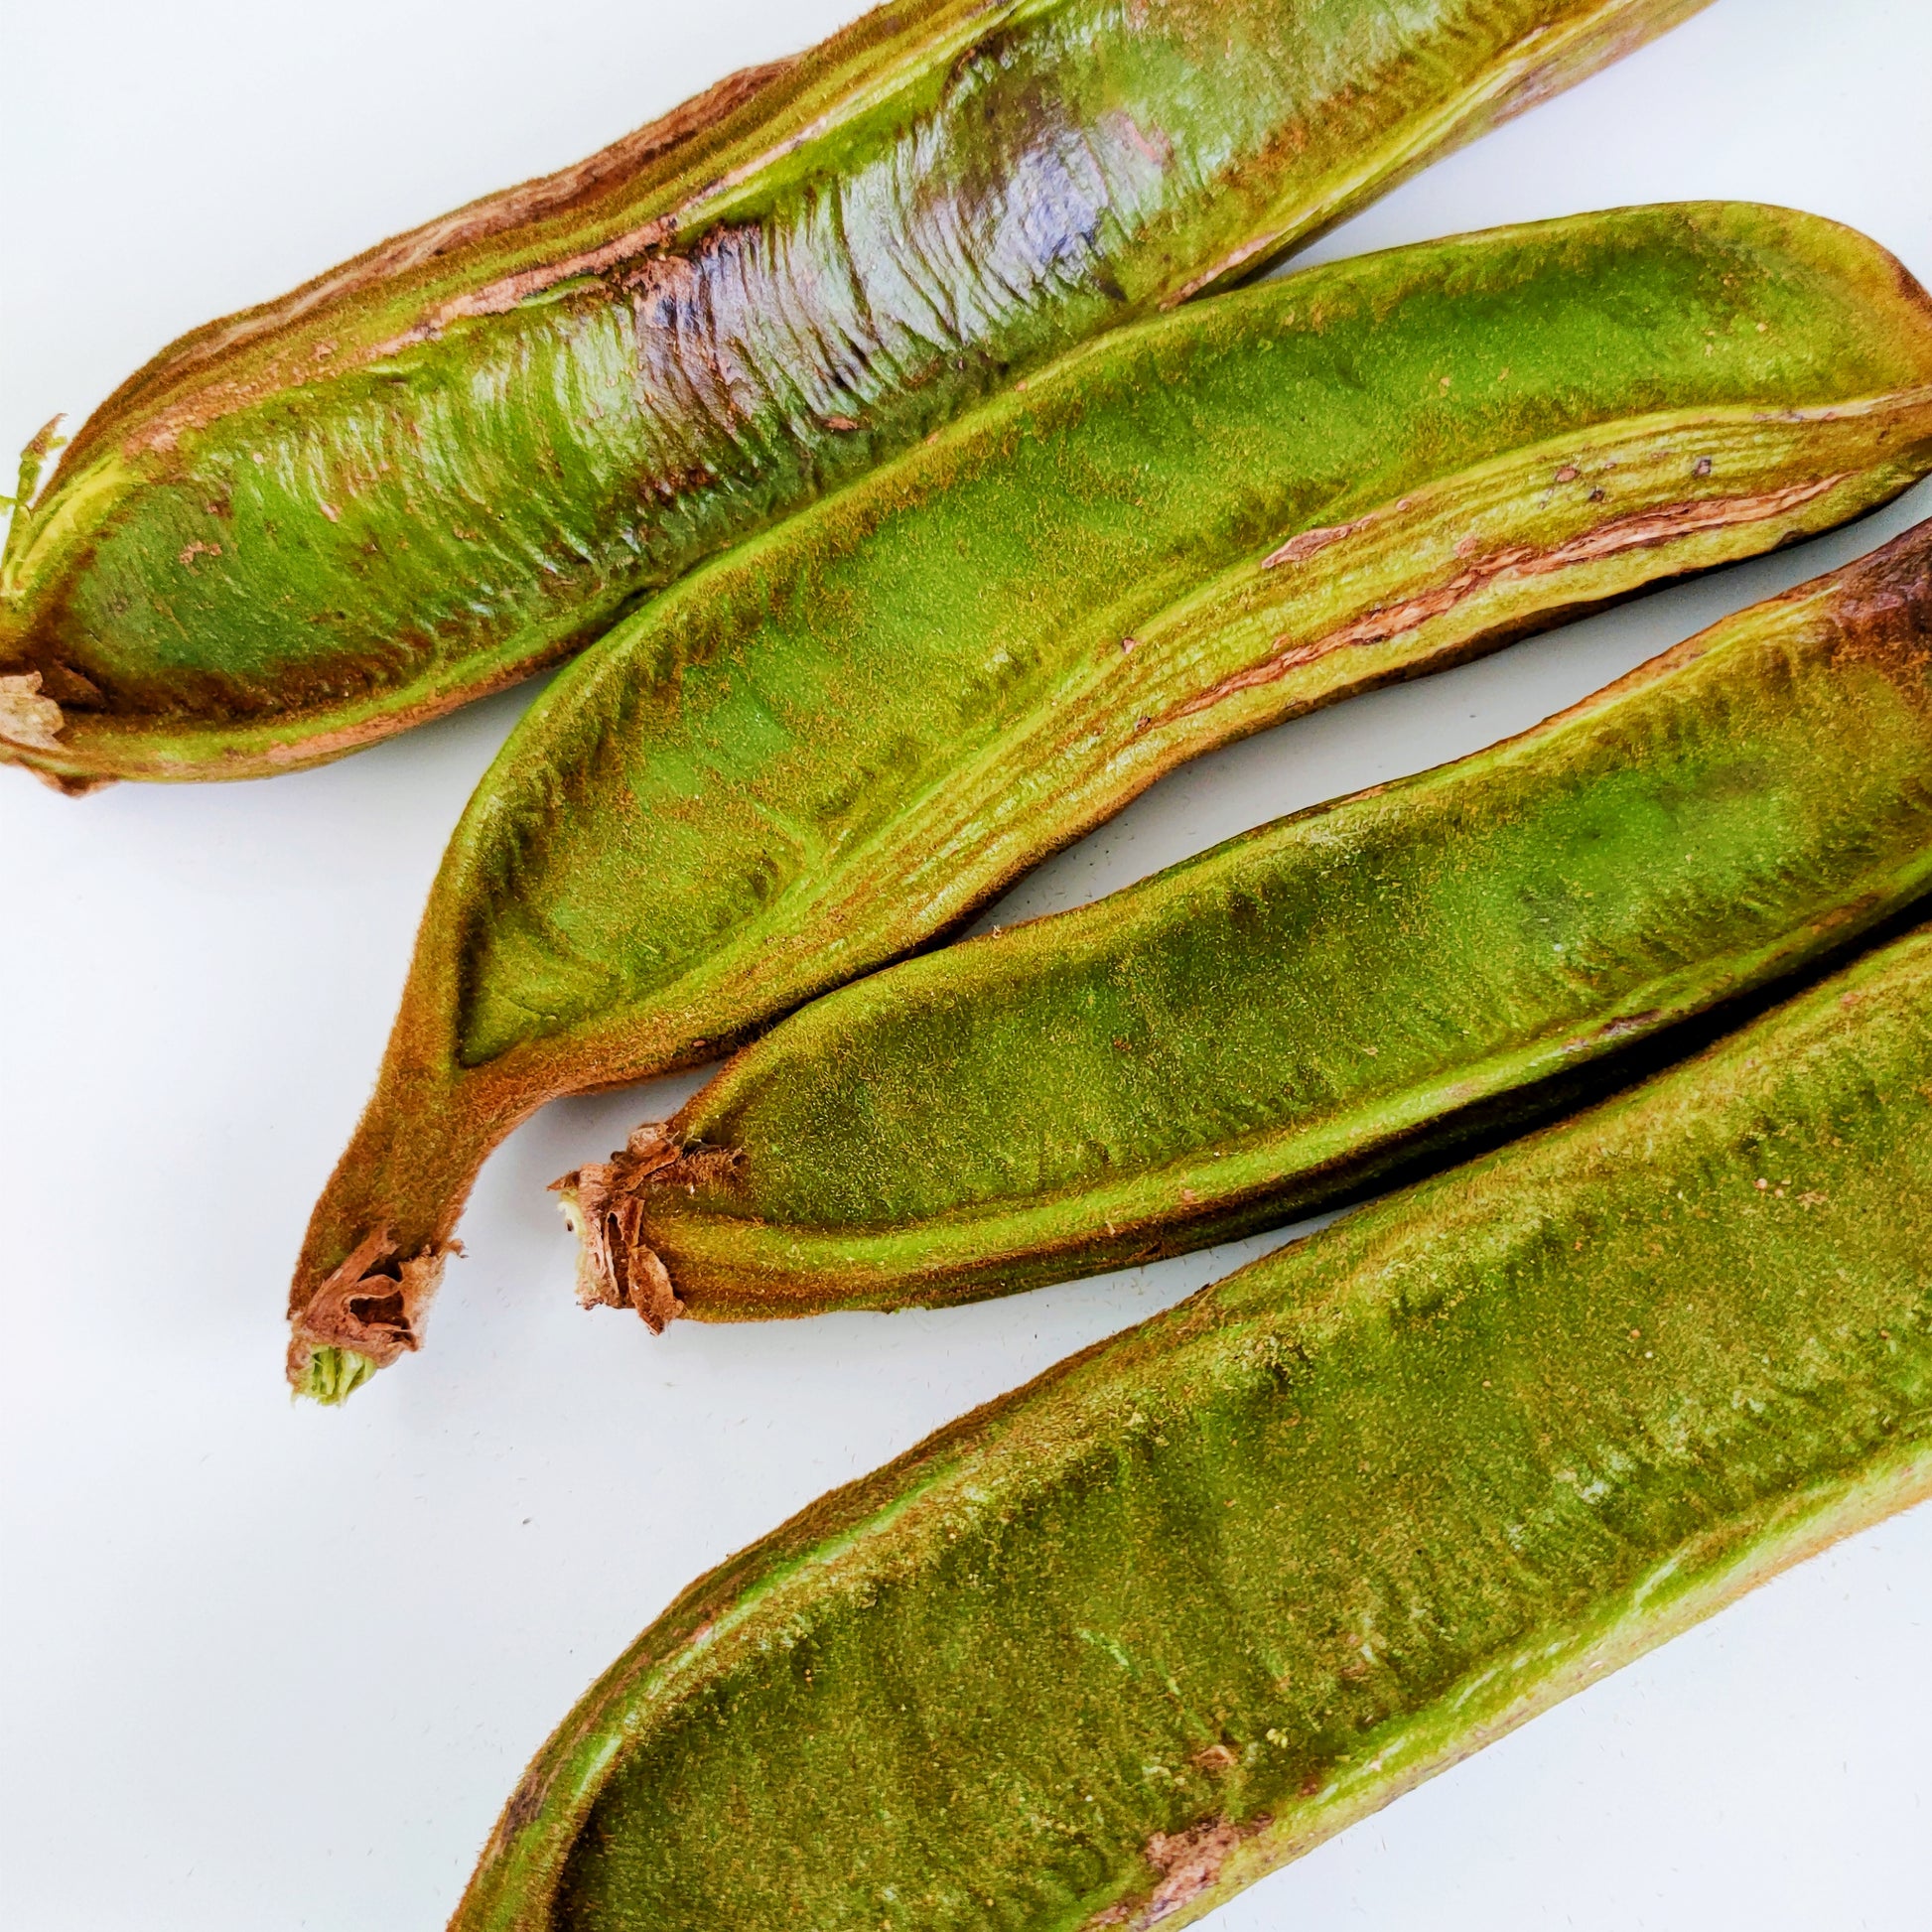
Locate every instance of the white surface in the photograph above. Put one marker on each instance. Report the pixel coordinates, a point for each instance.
(268, 1666)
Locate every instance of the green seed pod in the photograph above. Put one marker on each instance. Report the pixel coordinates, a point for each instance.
(461, 456)
(1265, 1029)
(825, 748)
(1110, 1648)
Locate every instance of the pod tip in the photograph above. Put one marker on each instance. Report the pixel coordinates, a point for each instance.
(603, 1205)
(366, 1313)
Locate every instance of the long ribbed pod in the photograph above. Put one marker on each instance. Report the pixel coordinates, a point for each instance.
(464, 454)
(829, 747)
(1107, 1650)
(1264, 1029)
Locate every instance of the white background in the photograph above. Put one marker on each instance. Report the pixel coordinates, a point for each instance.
(271, 1666)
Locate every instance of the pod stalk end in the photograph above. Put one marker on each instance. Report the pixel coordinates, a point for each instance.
(33, 461)
(604, 1206)
(365, 1316)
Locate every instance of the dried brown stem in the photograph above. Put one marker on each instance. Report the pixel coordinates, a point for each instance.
(372, 1305)
(606, 1204)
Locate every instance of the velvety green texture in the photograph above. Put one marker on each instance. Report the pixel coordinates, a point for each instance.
(734, 763)
(1121, 1641)
(1256, 1030)
(831, 745)
(463, 455)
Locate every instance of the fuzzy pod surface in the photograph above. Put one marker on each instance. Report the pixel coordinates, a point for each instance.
(1258, 1032)
(1113, 1646)
(461, 456)
(831, 745)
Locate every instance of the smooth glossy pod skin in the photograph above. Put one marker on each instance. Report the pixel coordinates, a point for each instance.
(833, 744)
(1264, 1029)
(1114, 1646)
(461, 456)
